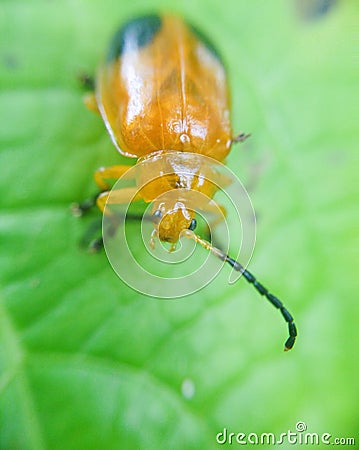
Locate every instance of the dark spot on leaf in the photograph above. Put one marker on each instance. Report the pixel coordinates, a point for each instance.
(10, 62)
(311, 10)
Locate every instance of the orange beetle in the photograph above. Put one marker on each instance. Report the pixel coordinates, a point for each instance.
(163, 96)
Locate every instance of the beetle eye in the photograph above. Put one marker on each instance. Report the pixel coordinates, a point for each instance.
(157, 216)
(193, 225)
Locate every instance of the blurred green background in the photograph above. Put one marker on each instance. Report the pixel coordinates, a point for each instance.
(87, 363)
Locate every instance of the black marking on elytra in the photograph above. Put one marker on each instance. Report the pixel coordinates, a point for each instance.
(205, 41)
(134, 34)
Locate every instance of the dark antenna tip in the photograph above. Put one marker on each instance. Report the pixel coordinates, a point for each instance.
(251, 279)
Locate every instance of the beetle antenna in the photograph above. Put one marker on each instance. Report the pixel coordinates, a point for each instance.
(258, 286)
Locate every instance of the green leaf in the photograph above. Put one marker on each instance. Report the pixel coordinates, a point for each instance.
(88, 363)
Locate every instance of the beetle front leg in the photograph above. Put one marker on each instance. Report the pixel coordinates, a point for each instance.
(101, 176)
(109, 173)
(117, 197)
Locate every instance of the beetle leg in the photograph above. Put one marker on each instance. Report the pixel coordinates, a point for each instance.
(117, 197)
(100, 175)
(111, 172)
(96, 245)
(219, 212)
(87, 81)
(90, 102)
(89, 99)
(241, 137)
(79, 209)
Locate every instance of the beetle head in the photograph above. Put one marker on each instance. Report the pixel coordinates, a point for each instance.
(170, 218)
